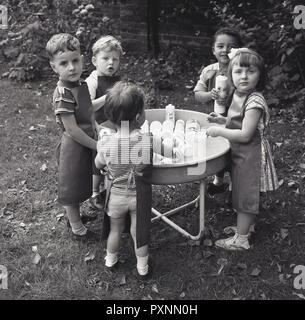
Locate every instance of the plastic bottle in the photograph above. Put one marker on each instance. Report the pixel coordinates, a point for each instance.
(155, 126)
(145, 127)
(168, 145)
(168, 125)
(170, 113)
(157, 142)
(192, 128)
(180, 125)
(221, 84)
(167, 129)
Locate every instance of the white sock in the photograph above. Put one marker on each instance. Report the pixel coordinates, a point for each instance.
(218, 181)
(78, 228)
(111, 259)
(142, 265)
(95, 193)
(243, 237)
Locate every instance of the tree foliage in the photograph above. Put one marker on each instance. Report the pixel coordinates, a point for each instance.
(33, 23)
(266, 26)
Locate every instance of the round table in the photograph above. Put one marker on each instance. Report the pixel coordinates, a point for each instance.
(212, 160)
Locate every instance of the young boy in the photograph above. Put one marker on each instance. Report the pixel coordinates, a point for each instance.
(224, 40)
(73, 110)
(127, 154)
(107, 52)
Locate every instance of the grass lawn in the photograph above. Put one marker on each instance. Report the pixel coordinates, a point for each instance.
(44, 263)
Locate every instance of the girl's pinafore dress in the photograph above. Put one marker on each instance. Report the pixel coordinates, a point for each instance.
(252, 168)
(74, 159)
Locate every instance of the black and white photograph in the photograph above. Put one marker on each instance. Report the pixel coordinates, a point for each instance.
(152, 153)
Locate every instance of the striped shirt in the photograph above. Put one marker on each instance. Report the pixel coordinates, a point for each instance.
(125, 157)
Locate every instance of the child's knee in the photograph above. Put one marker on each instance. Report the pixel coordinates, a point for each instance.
(117, 225)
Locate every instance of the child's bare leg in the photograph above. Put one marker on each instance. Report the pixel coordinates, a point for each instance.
(96, 200)
(96, 181)
(218, 178)
(240, 240)
(116, 229)
(244, 222)
(73, 214)
(218, 185)
(113, 241)
(142, 252)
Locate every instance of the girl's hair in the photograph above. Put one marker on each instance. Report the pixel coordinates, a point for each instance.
(230, 32)
(61, 42)
(123, 102)
(246, 58)
(107, 43)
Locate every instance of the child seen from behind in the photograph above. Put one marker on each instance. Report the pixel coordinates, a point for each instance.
(127, 156)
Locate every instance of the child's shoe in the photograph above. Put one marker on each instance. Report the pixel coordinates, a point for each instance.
(236, 243)
(146, 276)
(111, 261)
(85, 217)
(87, 237)
(233, 229)
(213, 189)
(228, 200)
(98, 201)
(114, 267)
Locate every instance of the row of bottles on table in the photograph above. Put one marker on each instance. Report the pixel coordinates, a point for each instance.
(173, 141)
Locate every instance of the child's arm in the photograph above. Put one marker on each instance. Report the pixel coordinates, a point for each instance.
(75, 132)
(99, 160)
(216, 118)
(244, 134)
(205, 96)
(201, 89)
(98, 103)
(92, 83)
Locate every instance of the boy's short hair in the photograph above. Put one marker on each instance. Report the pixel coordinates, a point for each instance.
(230, 32)
(107, 43)
(123, 102)
(245, 58)
(61, 42)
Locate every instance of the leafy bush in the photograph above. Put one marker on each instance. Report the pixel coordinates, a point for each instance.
(266, 26)
(33, 23)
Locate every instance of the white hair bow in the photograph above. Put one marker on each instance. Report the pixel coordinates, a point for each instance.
(234, 51)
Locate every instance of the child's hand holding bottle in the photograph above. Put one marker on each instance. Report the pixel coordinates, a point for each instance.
(212, 132)
(216, 118)
(214, 94)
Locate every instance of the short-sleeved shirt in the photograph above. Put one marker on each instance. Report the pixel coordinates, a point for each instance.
(73, 98)
(206, 80)
(125, 157)
(74, 159)
(98, 86)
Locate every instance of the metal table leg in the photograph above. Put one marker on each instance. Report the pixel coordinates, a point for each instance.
(164, 215)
